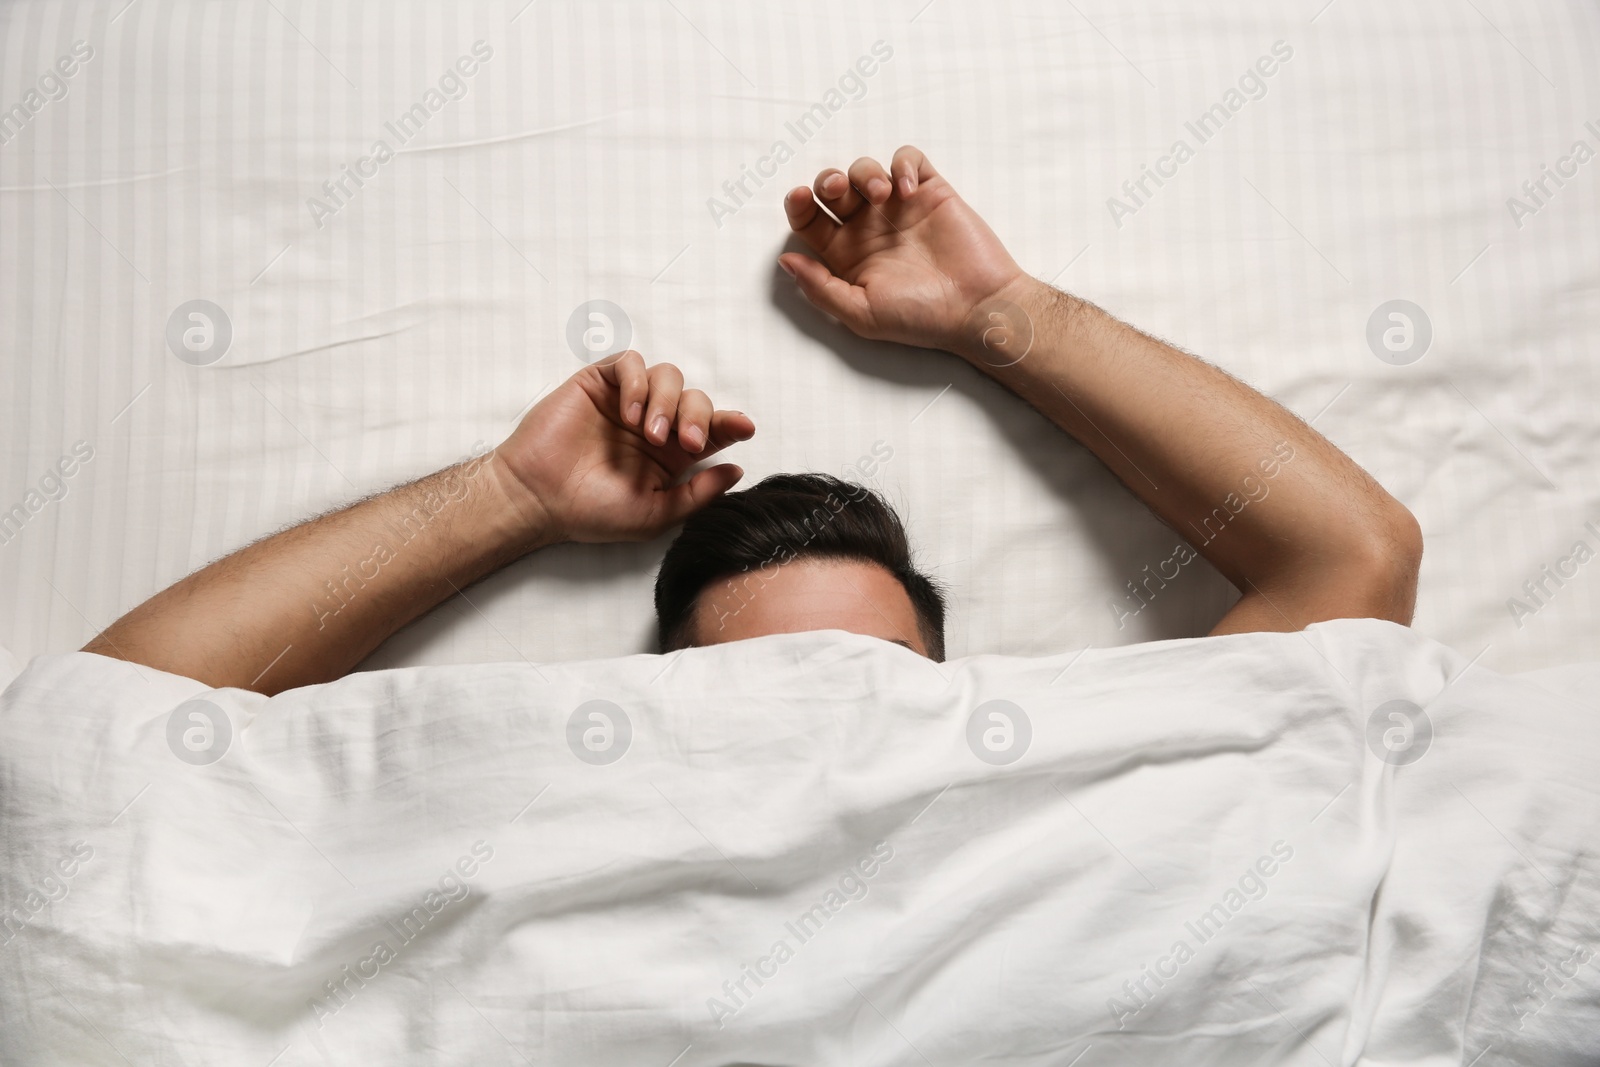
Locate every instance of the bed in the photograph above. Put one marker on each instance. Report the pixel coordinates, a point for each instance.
(258, 260)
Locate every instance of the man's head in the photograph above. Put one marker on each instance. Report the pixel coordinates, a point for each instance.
(796, 552)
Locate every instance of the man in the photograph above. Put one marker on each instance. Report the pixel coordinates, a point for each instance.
(603, 458)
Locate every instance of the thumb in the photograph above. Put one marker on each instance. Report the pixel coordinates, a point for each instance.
(828, 292)
(684, 500)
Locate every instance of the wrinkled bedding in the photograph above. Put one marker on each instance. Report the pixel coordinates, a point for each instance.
(1349, 845)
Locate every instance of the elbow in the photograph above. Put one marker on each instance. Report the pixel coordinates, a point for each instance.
(1407, 536)
(1386, 565)
(1365, 569)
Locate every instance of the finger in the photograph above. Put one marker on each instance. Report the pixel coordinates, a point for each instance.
(910, 169)
(869, 177)
(813, 225)
(728, 428)
(681, 501)
(845, 302)
(626, 371)
(694, 420)
(833, 188)
(666, 384)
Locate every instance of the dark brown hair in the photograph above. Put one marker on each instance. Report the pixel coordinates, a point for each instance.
(784, 518)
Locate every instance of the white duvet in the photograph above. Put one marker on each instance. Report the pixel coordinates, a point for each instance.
(811, 849)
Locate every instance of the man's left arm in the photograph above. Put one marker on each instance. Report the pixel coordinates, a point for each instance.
(912, 262)
(600, 459)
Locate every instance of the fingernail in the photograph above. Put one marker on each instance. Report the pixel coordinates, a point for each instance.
(834, 184)
(905, 185)
(634, 413)
(658, 426)
(691, 438)
(878, 188)
(787, 269)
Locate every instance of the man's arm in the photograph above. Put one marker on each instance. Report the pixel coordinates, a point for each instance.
(913, 263)
(600, 459)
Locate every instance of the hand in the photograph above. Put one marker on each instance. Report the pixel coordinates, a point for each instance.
(600, 458)
(911, 262)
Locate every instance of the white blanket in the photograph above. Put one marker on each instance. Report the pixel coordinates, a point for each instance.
(810, 849)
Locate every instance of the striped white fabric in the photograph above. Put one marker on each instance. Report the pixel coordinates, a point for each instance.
(381, 329)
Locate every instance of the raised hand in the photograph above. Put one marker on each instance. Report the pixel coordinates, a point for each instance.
(600, 458)
(909, 261)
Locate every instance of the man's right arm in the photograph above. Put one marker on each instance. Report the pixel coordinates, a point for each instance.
(913, 263)
(603, 457)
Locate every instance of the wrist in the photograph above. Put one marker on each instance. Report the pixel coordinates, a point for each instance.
(1001, 328)
(517, 518)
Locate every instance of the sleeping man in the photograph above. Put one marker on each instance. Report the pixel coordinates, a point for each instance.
(607, 456)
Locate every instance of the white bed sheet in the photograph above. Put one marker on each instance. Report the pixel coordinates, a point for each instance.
(426, 313)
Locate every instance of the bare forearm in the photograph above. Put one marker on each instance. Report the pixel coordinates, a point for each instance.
(1205, 452)
(308, 604)
(1201, 449)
